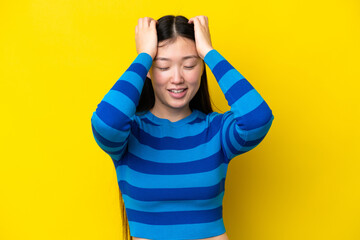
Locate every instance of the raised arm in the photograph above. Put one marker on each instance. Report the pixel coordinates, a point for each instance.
(112, 119)
(111, 122)
(249, 119)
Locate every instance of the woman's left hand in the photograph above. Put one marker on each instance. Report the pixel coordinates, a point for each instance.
(202, 35)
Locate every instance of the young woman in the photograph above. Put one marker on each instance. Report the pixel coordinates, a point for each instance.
(170, 150)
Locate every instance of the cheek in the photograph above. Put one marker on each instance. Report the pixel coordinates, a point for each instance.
(158, 83)
(158, 77)
(194, 78)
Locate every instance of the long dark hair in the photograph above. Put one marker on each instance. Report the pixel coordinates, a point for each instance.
(170, 27)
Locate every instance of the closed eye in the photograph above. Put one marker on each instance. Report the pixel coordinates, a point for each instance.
(188, 67)
(162, 69)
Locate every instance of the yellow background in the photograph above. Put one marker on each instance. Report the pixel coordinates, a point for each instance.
(59, 58)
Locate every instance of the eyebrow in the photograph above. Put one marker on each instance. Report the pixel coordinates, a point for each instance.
(168, 59)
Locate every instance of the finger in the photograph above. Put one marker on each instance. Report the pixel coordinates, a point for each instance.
(202, 20)
(140, 23)
(192, 20)
(136, 29)
(153, 20)
(147, 21)
(153, 23)
(196, 21)
(144, 22)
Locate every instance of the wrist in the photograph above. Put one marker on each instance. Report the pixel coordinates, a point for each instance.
(207, 51)
(148, 54)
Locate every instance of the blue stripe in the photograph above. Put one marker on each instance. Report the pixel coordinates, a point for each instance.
(142, 180)
(179, 231)
(171, 194)
(212, 58)
(109, 114)
(196, 120)
(221, 68)
(127, 89)
(254, 143)
(256, 133)
(117, 157)
(237, 90)
(171, 143)
(234, 147)
(238, 138)
(174, 217)
(144, 119)
(163, 206)
(145, 59)
(245, 146)
(233, 135)
(174, 156)
(187, 129)
(247, 103)
(229, 79)
(225, 126)
(197, 166)
(114, 153)
(120, 101)
(107, 132)
(104, 141)
(229, 144)
(139, 69)
(232, 125)
(256, 118)
(134, 79)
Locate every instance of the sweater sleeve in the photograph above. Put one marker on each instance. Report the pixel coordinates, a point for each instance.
(111, 122)
(249, 119)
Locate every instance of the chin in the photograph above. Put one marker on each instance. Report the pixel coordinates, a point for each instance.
(178, 104)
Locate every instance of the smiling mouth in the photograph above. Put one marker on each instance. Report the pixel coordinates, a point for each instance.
(177, 91)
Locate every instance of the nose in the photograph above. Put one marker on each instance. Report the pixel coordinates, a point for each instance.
(177, 77)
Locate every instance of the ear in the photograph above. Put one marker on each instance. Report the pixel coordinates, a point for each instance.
(148, 75)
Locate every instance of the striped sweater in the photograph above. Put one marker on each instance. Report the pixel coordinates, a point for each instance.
(172, 174)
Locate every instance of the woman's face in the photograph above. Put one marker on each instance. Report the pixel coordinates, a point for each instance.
(176, 74)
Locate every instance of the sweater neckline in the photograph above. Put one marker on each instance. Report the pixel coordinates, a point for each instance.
(164, 121)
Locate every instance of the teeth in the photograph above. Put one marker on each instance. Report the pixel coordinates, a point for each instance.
(177, 91)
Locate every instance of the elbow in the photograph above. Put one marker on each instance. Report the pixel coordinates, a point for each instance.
(262, 116)
(258, 118)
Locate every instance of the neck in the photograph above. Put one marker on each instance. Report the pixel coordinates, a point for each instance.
(172, 114)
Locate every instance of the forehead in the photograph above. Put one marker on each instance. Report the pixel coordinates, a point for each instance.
(180, 50)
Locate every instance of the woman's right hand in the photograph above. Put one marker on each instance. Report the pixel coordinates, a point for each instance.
(146, 36)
